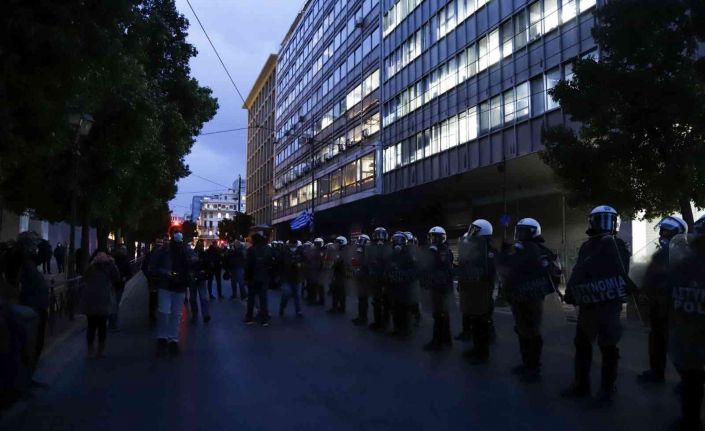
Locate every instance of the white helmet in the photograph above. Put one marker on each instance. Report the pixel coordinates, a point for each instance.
(341, 240)
(603, 219)
(318, 242)
(409, 236)
(675, 225)
(480, 227)
(527, 229)
(363, 239)
(437, 235)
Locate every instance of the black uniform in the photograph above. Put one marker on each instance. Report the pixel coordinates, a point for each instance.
(598, 285)
(528, 271)
(259, 264)
(214, 260)
(376, 257)
(687, 340)
(655, 287)
(152, 283)
(340, 274)
(476, 279)
(360, 277)
(401, 272)
(314, 265)
(438, 277)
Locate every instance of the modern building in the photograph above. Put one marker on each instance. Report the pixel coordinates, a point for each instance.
(327, 117)
(222, 206)
(461, 87)
(196, 207)
(260, 143)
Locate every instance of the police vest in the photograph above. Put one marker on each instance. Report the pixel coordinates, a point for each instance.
(688, 292)
(524, 276)
(473, 259)
(598, 275)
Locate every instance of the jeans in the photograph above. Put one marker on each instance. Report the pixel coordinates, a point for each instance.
(198, 288)
(237, 281)
(259, 290)
(170, 309)
(99, 324)
(290, 290)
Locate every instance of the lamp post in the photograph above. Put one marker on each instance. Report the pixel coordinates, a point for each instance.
(82, 124)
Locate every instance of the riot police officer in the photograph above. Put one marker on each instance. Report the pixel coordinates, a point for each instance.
(340, 274)
(360, 279)
(655, 288)
(314, 266)
(376, 256)
(599, 285)
(528, 271)
(400, 274)
(438, 275)
(476, 279)
(687, 344)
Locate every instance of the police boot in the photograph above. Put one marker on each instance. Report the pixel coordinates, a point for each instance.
(610, 364)
(583, 361)
(532, 372)
(691, 401)
(435, 344)
(466, 333)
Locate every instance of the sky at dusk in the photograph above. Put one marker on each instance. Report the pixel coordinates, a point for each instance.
(245, 32)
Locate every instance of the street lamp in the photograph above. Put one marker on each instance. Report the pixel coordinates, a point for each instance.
(82, 124)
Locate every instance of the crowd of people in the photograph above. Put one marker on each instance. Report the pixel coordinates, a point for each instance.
(25, 302)
(390, 271)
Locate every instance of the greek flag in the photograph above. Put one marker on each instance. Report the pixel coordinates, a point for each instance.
(300, 222)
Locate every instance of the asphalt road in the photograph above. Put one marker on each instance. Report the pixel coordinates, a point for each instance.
(323, 373)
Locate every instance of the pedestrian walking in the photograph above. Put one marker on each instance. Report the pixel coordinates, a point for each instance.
(97, 299)
(292, 276)
(60, 257)
(45, 254)
(122, 262)
(197, 285)
(258, 269)
(235, 265)
(214, 260)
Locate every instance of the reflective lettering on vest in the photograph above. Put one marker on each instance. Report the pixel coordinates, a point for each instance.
(593, 292)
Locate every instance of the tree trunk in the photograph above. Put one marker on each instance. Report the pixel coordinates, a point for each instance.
(687, 212)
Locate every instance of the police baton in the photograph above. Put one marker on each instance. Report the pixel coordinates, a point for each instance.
(555, 288)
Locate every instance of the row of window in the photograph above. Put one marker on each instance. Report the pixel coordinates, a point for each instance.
(368, 85)
(500, 43)
(302, 62)
(515, 104)
(394, 16)
(355, 57)
(305, 26)
(356, 173)
(539, 18)
(352, 137)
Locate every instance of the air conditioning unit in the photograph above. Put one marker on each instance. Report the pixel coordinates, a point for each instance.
(302, 118)
(360, 22)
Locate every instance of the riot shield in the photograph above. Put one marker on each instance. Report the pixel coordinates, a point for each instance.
(679, 249)
(640, 261)
(472, 258)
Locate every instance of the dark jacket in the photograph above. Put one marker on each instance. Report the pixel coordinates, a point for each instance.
(528, 271)
(260, 262)
(214, 258)
(292, 263)
(34, 291)
(171, 264)
(45, 251)
(439, 272)
(97, 294)
(60, 253)
(235, 258)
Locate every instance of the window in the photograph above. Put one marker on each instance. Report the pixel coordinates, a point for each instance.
(484, 117)
(538, 97)
(535, 21)
(367, 166)
(482, 56)
(507, 38)
(472, 61)
(509, 106)
(494, 52)
(552, 78)
(522, 100)
(569, 10)
(495, 112)
(550, 13)
(586, 4)
(472, 123)
(520, 32)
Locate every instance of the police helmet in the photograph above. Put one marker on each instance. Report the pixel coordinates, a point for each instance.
(671, 226)
(362, 240)
(480, 227)
(527, 229)
(409, 236)
(380, 234)
(341, 241)
(400, 240)
(318, 242)
(603, 219)
(437, 235)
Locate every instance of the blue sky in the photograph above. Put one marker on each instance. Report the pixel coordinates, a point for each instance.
(245, 32)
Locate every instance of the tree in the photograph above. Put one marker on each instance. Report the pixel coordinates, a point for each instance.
(641, 109)
(238, 226)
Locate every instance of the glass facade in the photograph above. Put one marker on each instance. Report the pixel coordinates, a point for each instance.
(327, 112)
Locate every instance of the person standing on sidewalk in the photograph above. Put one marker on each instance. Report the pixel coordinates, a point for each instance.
(45, 256)
(60, 256)
(172, 264)
(152, 279)
(292, 276)
(97, 299)
(258, 269)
